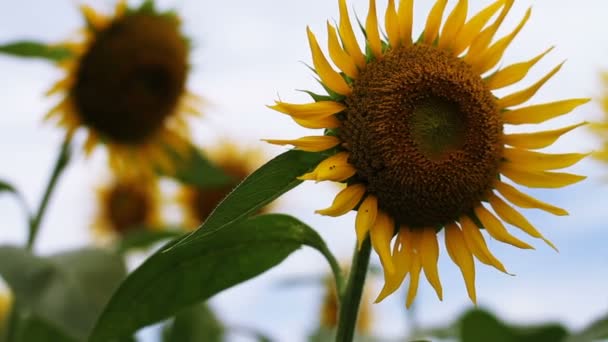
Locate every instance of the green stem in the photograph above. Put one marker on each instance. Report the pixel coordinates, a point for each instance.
(349, 308)
(60, 165)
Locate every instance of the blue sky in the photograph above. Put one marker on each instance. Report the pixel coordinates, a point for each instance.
(248, 53)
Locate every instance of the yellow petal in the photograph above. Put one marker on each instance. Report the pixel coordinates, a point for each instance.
(524, 201)
(453, 25)
(462, 257)
(539, 139)
(513, 73)
(542, 112)
(433, 22)
(348, 36)
(332, 79)
(474, 26)
(414, 279)
(513, 217)
(539, 179)
(482, 40)
(391, 22)
(477, 244)
(371, 29)
(366, 217)
(524, 95)
(121, 8)
(310, 144)
(496, 229)
(345, 201)
(94, 19)
(381, 234)
(342, 59)
(495, 52)
(309, 111)
(402, 262)
(429, 256)
(541, 161)
(406, 18)
(335, 168)
(328, 122)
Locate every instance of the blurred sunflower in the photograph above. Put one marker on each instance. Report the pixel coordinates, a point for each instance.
(126, 204)
(5, 308)
(125, 84)
(601, 128)
(329, 310)
(418, 135)
(197, 203)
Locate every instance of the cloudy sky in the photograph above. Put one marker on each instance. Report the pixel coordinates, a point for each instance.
(248, 53)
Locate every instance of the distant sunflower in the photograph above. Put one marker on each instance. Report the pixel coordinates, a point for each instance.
(601, 127)
(197, 203)
(126, 85)
(329, 310)
(6, 301)
(418, 135)
(125, 205)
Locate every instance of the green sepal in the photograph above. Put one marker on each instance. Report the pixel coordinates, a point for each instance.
(32, 49)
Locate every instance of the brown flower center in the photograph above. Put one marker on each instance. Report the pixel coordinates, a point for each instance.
(425, 135)
(131, 78)
(128, 207)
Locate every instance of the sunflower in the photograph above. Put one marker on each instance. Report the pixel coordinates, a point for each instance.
(126, 204)
(417, 131)
(600, 128)
(329, 310)
(196, 202)
(125, 84)
(6, 301)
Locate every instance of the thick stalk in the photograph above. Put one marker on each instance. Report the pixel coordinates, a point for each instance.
(60, 165)
(349, 307)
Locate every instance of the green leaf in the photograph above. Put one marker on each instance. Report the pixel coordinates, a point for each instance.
(197, 323)
(481, 326)
(67, 290)
(6, 187)
(32, 328)
(30, 49)
(144, 237)
(596, 331)
(183, 275)
(261, 187)
(195, 169)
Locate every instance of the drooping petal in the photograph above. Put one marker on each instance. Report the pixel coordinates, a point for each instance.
(496, 229)
(348, 36)
(340, 57)
(381, 234)
(474, 26)
(429, 256)
(391, 22)
(524, 95)
(462, 257)
(539, 179)
(513, 73)
(513, 217)
(327, 122)
(541, 161)
(433, 22)
(495, 52)
(453, 25)
(335, 168)
(309, 111)
(402, 262)
(406, 19)
(477, 244)
(414, 277)
(331, 78)
(525, 201)
(542, 112)
(366, 217)
(310, 143)
(371, 30)
(345, 201)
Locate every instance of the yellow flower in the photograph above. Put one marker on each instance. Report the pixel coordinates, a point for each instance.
(329, 310)
(418, 135)
(125, 84)
(5, 308)
(601, 128)
(126, 204)
(197, 203)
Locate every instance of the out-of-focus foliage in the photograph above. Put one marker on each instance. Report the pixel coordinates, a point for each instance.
(33, 49)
